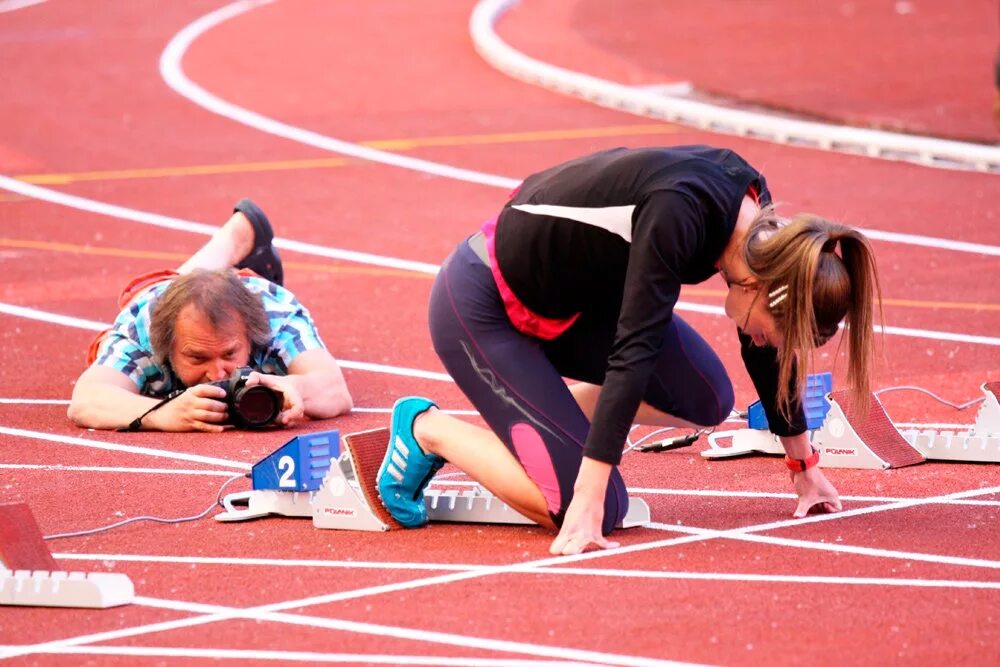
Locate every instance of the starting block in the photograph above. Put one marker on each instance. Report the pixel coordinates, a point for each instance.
(28, 575)
(347, 498)
(845, 439)
(980, 444)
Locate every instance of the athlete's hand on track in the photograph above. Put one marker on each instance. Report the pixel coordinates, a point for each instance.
(582, 525)
(581, 528)
(200, 408)
(816, 493)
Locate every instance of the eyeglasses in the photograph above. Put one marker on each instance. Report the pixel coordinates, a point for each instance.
(753, 303)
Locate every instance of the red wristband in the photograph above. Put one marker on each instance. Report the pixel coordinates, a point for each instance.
(800, 465)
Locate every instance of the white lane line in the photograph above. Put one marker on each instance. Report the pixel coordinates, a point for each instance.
(218, 612)
(255, 612)
(177, 224)
(574, 571)
(247, 655)
(722, 493)
(115, 470)
(12, 5)
(43, 316)
(128, 449)
(832, 546)
(173, 74)
(91, 325)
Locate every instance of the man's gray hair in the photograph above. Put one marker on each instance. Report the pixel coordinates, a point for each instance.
(218, 295)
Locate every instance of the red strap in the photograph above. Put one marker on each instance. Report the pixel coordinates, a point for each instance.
(801, 465)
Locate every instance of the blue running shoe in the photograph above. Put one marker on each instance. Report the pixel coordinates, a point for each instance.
(406, 469)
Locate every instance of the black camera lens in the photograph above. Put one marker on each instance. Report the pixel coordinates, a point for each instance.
(255, 406)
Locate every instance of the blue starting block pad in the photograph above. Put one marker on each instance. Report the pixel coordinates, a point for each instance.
(814, 401)
(298, 465)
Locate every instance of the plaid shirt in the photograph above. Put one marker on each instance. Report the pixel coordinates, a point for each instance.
(127, 347)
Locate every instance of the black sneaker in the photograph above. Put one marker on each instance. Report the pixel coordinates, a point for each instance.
(263, 259)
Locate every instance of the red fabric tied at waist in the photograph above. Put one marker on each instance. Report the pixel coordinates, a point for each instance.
(523, 318)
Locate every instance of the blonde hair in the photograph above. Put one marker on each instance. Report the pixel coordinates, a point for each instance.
(815, 288)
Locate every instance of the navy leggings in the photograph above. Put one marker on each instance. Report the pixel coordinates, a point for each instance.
(516, 381)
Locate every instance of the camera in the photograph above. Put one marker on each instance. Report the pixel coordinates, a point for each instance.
(256, 406)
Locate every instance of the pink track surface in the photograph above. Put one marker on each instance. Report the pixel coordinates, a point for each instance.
(879, 584)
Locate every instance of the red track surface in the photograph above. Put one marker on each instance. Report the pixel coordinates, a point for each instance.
(89, 99)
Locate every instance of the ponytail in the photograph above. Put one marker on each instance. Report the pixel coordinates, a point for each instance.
(820, 287)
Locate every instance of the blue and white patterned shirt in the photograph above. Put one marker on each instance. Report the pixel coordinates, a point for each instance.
(127, 347)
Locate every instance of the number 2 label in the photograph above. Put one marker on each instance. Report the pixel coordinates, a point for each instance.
(286, 464)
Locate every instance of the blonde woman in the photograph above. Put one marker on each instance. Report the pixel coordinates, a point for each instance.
(577, 278)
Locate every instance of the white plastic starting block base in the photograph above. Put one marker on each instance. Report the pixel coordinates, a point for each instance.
(980, 444)
(846, 439)
(477, 505)
(93, 590)
(345, 500)
(339, 503)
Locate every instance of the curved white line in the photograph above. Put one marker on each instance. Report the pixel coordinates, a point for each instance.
(173, 74)
(12, 5)
(926, 151)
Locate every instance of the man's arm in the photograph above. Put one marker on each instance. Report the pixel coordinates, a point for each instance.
(314, 387)
(107, 399)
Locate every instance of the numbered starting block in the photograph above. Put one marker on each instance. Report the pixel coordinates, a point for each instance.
(28, 574)
(346, 498)
(849, 439)
(844, 436)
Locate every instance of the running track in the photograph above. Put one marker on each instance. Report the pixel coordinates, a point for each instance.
(377, 138)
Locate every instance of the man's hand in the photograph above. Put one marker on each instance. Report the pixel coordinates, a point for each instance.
(815, 492)
(200, 408)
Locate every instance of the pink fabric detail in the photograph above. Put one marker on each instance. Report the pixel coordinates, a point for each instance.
(535, 459)
(523, 319)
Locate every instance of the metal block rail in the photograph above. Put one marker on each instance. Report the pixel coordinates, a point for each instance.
(980, 444)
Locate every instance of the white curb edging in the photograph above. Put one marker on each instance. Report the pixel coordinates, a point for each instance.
(925, 151)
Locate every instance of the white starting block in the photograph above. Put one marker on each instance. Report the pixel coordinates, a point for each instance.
(980, 444)
(347, 497)
(845, 439)
(28, 576)
(91, 590)
(477, 505)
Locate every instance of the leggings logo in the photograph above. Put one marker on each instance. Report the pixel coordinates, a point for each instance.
(499, 390)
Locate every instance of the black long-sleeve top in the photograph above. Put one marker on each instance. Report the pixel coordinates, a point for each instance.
(615, 234)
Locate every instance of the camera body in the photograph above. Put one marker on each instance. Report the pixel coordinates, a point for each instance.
(256, 406)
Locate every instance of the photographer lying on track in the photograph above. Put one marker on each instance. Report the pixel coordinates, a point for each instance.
(179, 355)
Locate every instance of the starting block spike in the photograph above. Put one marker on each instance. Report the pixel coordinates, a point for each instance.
(28, 574)
(849, 440)
(478, 505)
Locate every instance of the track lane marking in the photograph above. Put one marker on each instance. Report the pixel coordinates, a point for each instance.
(574, 571)
(268, 610)
(173, 74)
(304, 656)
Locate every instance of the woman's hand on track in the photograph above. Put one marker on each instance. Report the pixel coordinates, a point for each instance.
(582, 525)
(816, 493)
